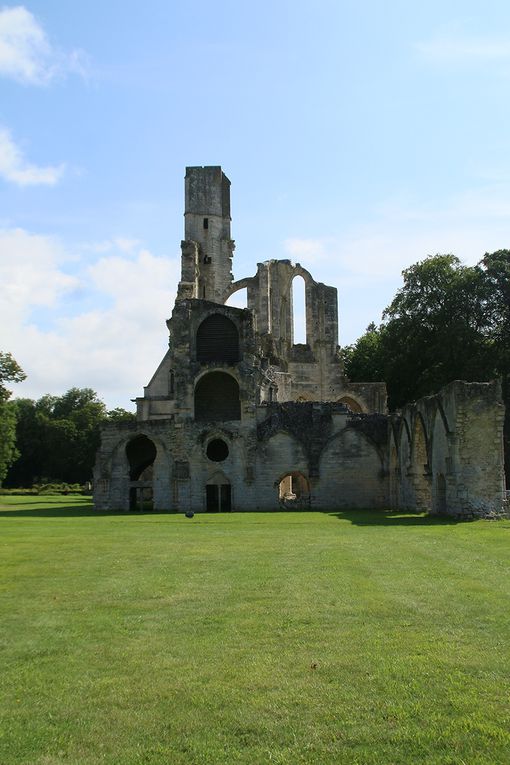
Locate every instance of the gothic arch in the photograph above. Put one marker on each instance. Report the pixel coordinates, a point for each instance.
(351, 472)
(440, 462)
(218, 493)
(419, 467)
(217, 397)
(217, 339)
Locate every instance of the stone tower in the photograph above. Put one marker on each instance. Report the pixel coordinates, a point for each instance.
(207, 247)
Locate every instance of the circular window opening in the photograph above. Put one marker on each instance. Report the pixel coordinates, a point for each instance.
(217, 450)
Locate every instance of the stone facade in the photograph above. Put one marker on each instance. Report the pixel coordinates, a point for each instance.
(239, 417)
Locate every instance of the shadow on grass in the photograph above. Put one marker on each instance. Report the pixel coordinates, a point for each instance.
(81, 507)
(72, 511)
(393, 518)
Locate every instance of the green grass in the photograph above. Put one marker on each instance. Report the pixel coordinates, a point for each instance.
(358, 638)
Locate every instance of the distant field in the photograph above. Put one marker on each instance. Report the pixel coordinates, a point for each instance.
(358, 638)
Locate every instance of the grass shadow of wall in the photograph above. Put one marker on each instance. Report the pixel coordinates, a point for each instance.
(393, 518)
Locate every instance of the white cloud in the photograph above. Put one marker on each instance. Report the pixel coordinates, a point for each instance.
(26, 55)
(365, 262)
(123, 243)
(457, 47)
(16, 169)
(59, 340)
(30, 274)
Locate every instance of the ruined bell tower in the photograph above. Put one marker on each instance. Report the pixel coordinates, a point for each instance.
(207, 248)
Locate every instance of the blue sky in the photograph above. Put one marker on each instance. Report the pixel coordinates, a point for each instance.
(359, 138)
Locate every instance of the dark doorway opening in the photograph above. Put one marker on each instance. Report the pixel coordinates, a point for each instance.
(217, 398)
(218, 498)
(141, 453)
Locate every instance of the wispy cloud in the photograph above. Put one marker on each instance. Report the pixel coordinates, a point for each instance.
(365, 262)
(26, 54)
(16, 169)
(458, 47)
(96, 319)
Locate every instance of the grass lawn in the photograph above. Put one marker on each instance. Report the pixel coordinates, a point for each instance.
(358, 638)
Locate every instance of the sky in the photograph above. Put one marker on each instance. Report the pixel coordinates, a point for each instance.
(359, 137)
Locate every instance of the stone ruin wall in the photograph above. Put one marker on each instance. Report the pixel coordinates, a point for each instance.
(296, 419)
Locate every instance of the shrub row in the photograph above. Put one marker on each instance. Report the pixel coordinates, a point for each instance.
(50, 488)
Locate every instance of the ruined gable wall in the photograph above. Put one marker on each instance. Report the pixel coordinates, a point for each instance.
(450, 451)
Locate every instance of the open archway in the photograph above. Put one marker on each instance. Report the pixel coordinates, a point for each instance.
(294, 491)
(217, 398)
(141, 453)
(298, 310)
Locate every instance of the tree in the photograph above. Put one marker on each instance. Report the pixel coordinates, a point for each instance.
(10, 371)
(448, 321)
(58, 437)
(434, 331)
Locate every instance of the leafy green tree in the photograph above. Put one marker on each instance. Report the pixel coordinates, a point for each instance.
(434, 331)
(58, 437)
(447, 322)
(120, 415)
(10, 371)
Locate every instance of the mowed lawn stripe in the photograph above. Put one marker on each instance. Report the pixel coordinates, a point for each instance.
(351, 637)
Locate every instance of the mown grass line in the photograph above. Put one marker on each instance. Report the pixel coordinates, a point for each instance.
(356, 637)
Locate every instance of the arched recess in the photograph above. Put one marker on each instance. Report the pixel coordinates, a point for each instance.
(420, 468)
(294, 491)
(351, 403)
(141, 453)
(298, 310)
(394, 473)
(440, 502)
(280, 455)
(403, 444)
(217, 340)
(351, 473)
(218, 494)
(441, 464)
(217, 398)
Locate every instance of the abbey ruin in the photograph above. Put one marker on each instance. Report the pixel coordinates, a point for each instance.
(240, 417)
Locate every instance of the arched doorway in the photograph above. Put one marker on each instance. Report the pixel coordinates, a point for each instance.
(218, 494)
(217, 398)
(141, 453)
(294, 491)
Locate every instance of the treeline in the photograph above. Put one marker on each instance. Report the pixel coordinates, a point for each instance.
(447, 322)
(56, 437)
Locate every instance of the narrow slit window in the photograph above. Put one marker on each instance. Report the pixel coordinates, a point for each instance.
(206, 222)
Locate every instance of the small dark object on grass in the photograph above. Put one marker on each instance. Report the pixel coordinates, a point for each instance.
(189, 513)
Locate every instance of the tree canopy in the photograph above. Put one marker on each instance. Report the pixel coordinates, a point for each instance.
(58, 436)
(447, 322)
(10, 371)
